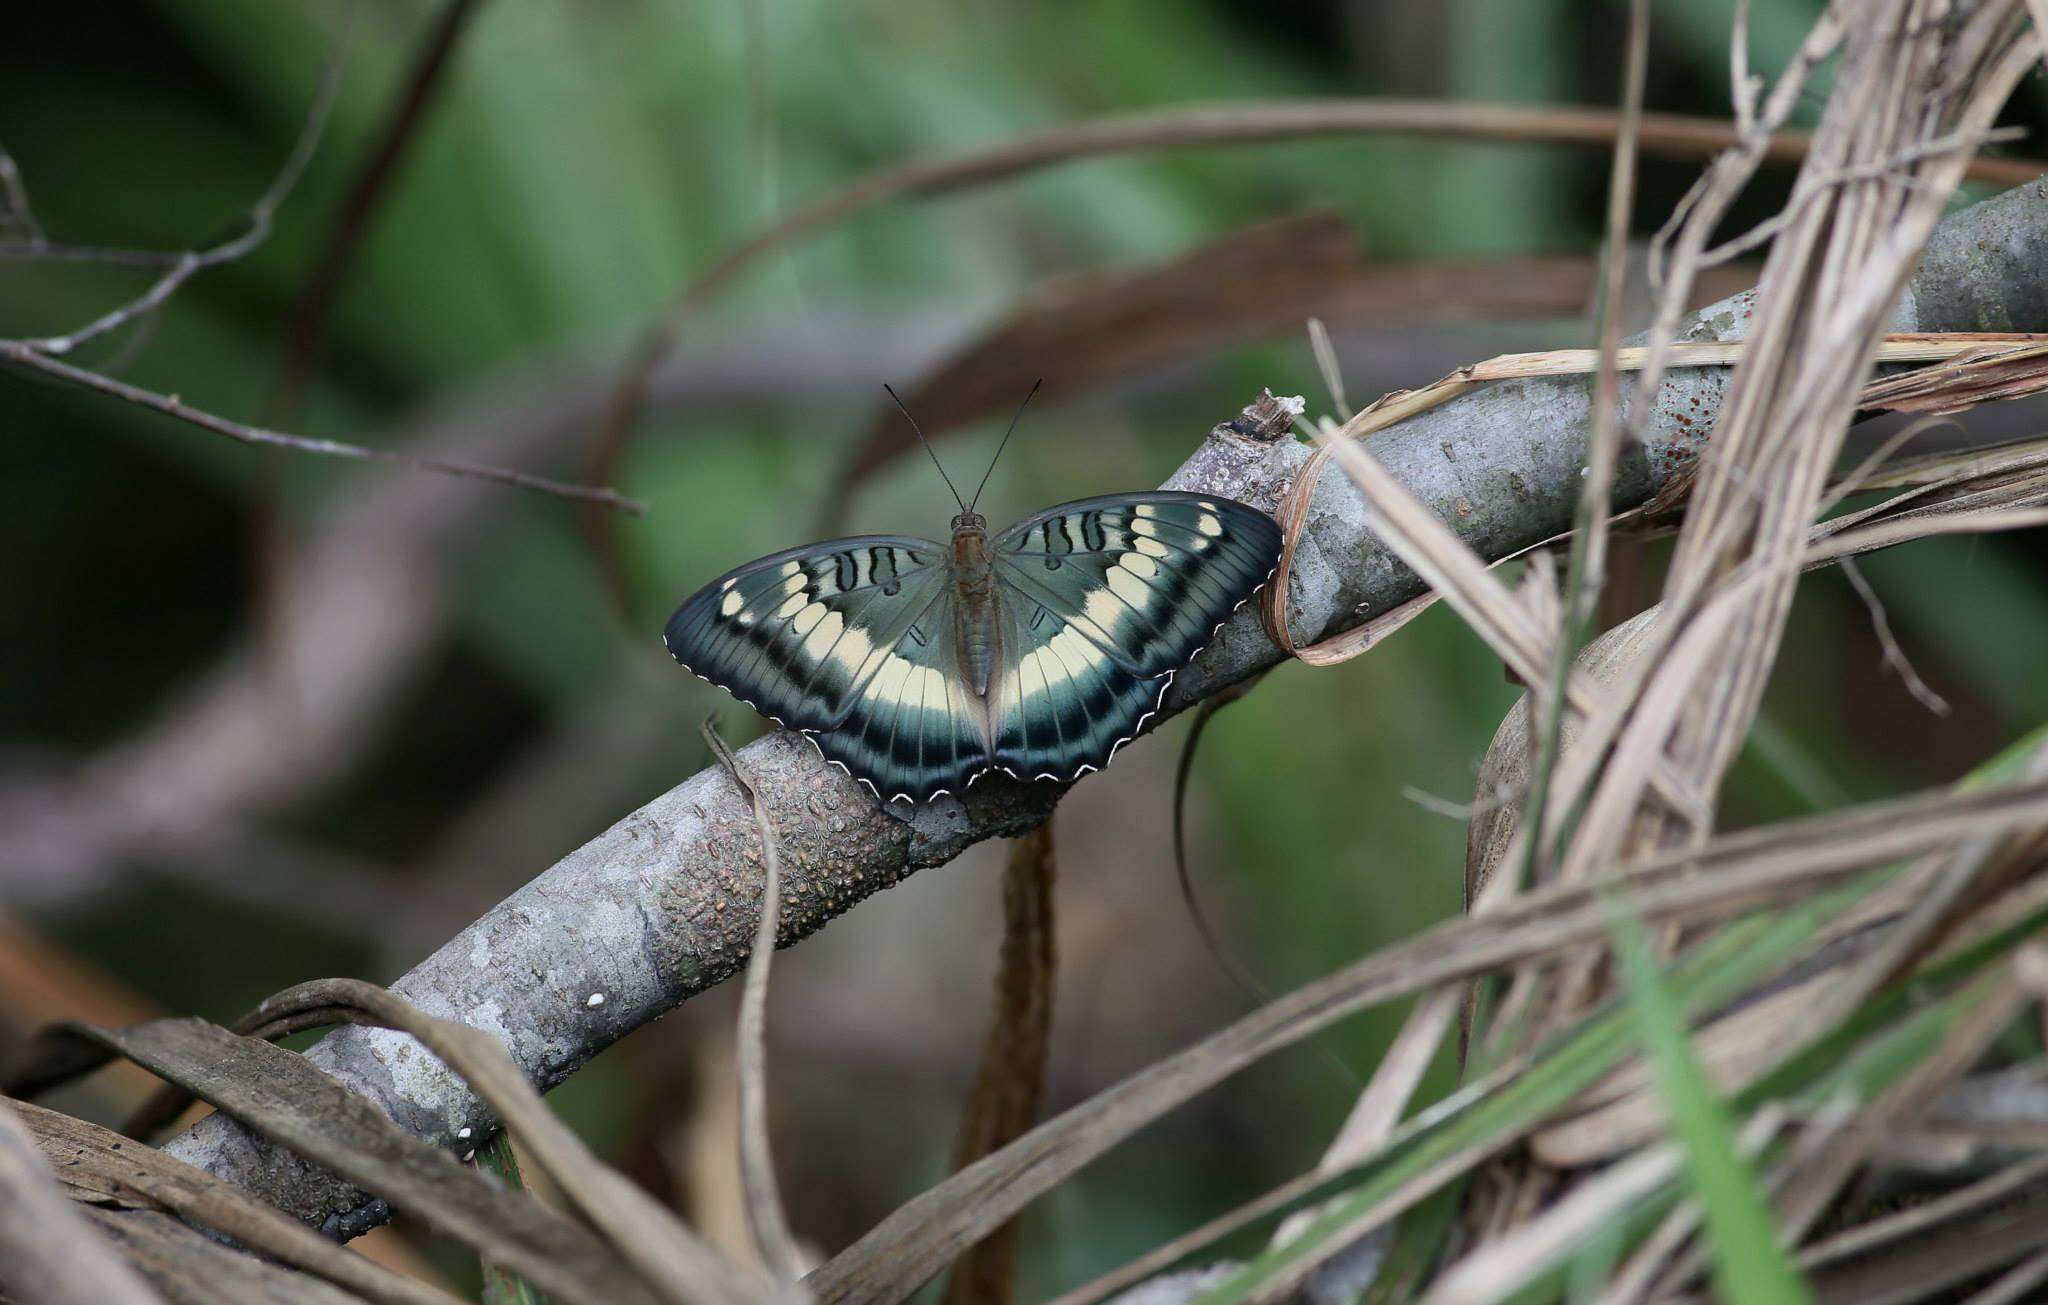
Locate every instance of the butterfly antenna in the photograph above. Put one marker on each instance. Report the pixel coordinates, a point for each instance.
(927, 447)
(1000, 447)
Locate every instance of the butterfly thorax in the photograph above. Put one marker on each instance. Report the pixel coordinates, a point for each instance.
(974, 586)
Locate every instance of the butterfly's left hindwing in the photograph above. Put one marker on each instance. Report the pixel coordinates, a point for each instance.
(1105, 600)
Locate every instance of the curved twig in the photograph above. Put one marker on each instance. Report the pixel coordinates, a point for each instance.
(1189, 126)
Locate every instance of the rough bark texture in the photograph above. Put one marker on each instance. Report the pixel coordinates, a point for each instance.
(662, 905)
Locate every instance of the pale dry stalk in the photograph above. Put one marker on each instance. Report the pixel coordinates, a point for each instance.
(1908, 79)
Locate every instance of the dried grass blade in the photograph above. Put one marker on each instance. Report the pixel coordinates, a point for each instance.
(1487, 1118)
(2027, 1176)
(1986, 356)
(1011, 1076)
(923, 1236)
(1997, 998)
(1984, 375)
(765, 1217)
(191, 1268)
(1869, 539)
(1498, 1268)
(646, 1233)
(2022, 1284)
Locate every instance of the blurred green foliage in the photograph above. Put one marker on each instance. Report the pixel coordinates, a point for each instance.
(583, 161)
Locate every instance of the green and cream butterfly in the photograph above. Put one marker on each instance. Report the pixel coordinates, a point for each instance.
(918, 667)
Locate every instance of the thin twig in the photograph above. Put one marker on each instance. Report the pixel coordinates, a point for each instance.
(1894, 656)
(141, 260)
(16, 353)
(765, 1216)
(51, 1253)
(192, 262)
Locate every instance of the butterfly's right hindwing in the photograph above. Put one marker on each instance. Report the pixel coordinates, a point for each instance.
(1062, 704)
(798, 635)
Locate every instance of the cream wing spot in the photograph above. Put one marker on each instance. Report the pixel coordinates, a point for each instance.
(887, 685)
(1209, 524)
(822, 634)
(1126, 585)
(732, 602)
(807, 619)
(790, 606)
(1104, 610)
(1139, 565)
(854, 646)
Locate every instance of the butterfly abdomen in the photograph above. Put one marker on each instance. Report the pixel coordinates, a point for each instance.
(974, 609)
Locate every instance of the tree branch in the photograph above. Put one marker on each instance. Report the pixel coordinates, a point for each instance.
(662, 906)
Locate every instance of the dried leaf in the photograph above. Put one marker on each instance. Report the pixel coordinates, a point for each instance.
(277, 1093)
(48, 1254)
(101, 1167)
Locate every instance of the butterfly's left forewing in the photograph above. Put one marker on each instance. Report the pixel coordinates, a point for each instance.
(850, 642)
(1104, 601)
(797, 635)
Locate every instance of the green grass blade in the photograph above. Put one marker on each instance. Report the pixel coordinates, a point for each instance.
(1446, 1142)
(1749, 1262)
(501, 1285)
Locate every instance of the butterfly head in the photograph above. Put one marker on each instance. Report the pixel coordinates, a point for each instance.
(970, 546)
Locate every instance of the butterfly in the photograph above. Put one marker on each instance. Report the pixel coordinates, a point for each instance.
(917, 667)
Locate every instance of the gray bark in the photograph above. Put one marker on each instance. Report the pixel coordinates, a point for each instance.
(662, 905)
